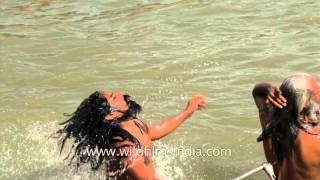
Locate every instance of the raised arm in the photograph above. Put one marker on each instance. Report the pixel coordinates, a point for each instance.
(164, 127)
(266, 93)
(266, 97)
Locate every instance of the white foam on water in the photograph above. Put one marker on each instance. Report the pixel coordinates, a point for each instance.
(167, 165)
(28, 152)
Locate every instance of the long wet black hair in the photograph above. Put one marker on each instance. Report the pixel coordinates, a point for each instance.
(89, 129)
(284, 126)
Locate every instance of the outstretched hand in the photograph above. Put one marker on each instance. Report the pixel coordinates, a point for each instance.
(166, 126)
(275, 98)
(196, 102)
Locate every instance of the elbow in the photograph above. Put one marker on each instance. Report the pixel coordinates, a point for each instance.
(261, 89)
(254, 91)
(155, 138)
(155, 135)
(155, 132)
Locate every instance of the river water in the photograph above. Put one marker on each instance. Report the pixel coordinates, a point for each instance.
(54, 53)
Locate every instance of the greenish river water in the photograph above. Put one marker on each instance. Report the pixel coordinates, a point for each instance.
(54, 53)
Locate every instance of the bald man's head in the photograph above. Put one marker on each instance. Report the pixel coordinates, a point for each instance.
(303, 92)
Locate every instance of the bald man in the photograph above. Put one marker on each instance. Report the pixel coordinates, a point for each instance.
(289, 117)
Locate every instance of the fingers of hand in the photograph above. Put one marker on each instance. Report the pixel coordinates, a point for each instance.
(202, 105)
(199, 101)
(276, 99)
(197, 97)
(283, 99)
(274, 102)
(278, 95)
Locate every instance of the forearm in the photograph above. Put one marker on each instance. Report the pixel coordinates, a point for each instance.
(263, 94)
(164, 127)
(260, 93)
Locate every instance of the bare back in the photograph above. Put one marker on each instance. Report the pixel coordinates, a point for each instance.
(304, 160)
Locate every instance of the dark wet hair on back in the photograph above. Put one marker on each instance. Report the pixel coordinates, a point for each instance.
(284, 121)
(284, 126)
(89, 129)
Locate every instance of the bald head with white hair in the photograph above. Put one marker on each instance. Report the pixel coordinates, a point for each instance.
(303, 92)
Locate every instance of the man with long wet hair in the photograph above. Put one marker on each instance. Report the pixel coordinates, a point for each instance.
(290, 117)
(108, 121)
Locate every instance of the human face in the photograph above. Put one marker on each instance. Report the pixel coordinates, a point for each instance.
(117, 103)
